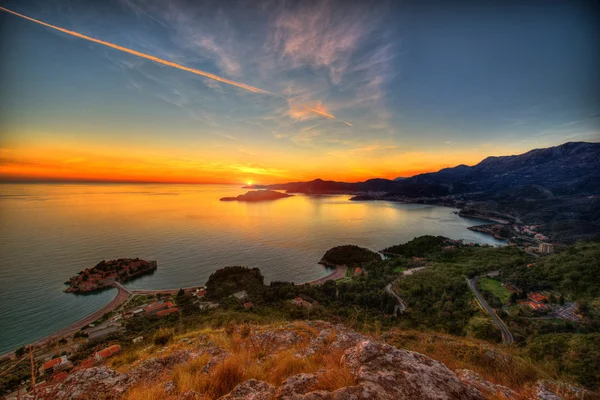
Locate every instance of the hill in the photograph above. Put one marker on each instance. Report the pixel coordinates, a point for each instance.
(557, 188)
(303, 360)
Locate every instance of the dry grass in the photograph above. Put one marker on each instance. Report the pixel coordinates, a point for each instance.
(337, 374)
(254, 358)
(147, 392)
(502, 366)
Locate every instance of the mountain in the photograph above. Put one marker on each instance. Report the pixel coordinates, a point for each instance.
(557, 188)
(571, 168)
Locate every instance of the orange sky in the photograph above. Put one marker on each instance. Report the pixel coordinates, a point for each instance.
(44, 161)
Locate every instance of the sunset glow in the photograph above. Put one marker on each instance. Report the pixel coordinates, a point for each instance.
(312, 95)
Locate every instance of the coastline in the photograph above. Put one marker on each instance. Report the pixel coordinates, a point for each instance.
(338, 273)
(123, 294)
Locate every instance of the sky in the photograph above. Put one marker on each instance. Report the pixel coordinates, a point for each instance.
(277, 91)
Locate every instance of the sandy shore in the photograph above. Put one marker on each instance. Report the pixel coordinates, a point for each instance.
(338, 273)
(120, 298)
(123, 294)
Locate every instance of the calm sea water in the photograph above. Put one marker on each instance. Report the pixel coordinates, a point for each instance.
(49, 232)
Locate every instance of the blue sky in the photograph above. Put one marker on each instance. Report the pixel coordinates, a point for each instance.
(424, 85)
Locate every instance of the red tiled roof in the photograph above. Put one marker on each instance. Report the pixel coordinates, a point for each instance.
(167, 311)
(50, 364)
(109, 351)
(104, 353)
(155, 306)
(60, 377)
(537, 297)
(357, 270)
(115, 348)
(248, 304)
(89, 363)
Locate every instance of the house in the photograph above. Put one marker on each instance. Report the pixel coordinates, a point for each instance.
(107, 352)
(59, 377)
(248, 305)
(88, 363)
(298, 301)
(107, 280)
(56, 364)
(546, 248)
(158, 306)
(539, 236)
(538, 297)
(167, 311)
(207, 305)
(138, 339)
(200, 293)
(358, 271)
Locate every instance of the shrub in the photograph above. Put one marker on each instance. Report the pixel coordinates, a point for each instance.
(162, 337)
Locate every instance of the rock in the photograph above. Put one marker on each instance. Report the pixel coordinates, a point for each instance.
(251, 390)
(544, 392)
(472, 378)
(296, 385)
(170, 387)
(91, 383)
(386, 372)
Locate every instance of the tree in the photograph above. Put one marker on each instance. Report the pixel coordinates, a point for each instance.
(180, 293)
(513, 297)
(20, 351)
(561, 300)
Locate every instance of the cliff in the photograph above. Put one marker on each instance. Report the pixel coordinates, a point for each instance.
(300, 360)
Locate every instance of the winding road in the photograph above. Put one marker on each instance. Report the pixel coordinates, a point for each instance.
(507, 337)
(401, 306)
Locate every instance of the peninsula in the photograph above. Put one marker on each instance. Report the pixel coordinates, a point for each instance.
(106, 273)
(258, 195)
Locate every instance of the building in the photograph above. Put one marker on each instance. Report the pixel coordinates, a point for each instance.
(158, 306)
(167, 311)
(546, 248)
(207, 305)
(107, 352)
(248, 305)
(56, 364)
(538, 297)
(298, 301)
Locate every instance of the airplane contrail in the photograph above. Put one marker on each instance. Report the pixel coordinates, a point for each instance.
(165, 62)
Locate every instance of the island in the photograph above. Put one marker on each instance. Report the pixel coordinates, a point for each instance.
(106, 273)
(348, 255)
(258, 195)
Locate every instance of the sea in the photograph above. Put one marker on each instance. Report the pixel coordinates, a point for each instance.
(49, 232)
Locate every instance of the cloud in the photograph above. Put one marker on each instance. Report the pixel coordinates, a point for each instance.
(163, 62)
(320, 35)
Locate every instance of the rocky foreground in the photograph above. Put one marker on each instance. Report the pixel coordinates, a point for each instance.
(342, 365)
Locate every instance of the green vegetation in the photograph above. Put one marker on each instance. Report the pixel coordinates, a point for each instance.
(349, 255)
(229, 280)
(418, 247)
(437, 297)
(575, 355)
(495, 287)
(574, 272)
